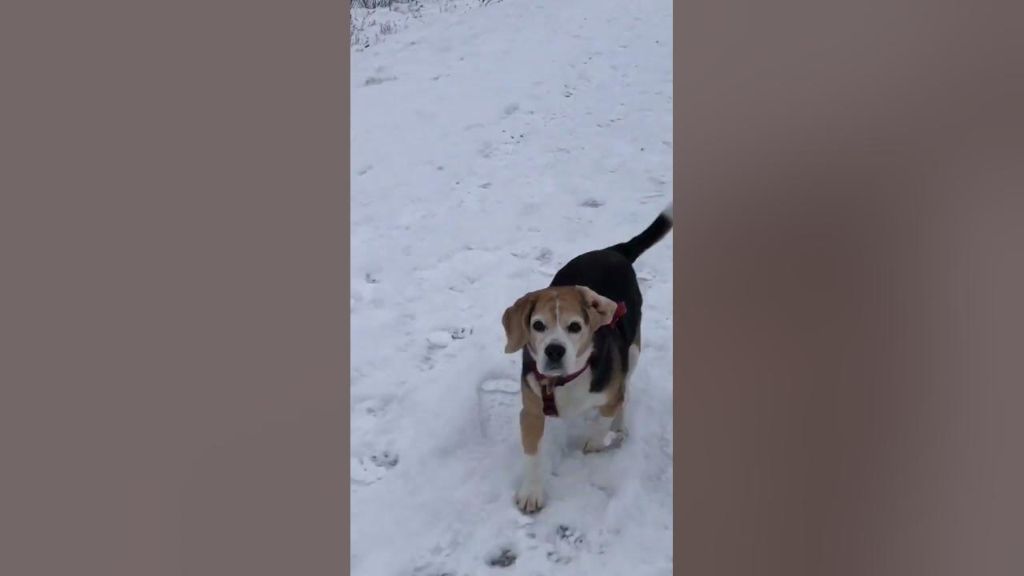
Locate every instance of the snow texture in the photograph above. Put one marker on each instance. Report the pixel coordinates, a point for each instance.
(491, 143)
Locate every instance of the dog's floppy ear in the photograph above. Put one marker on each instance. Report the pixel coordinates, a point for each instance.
(601, 310)
(515, 322)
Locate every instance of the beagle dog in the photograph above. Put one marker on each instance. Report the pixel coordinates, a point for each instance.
(580, 341)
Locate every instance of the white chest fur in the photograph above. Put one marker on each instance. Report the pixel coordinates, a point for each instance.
(574, 398)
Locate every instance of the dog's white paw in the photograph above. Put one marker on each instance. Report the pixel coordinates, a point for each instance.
(530, 497)
(603, 435)
(606, 441)
(595, 445)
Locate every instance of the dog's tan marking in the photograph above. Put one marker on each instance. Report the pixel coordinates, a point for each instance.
(552, 306)
(514, 320)
(531, 421)
(611, 409)
(600, 310)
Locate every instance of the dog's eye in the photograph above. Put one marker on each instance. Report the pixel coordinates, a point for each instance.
(575, 327)
(538, 325)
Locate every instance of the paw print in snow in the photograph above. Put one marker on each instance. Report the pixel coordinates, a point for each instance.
(485, 150)
(378, 80)
(566, 543)
(514, 137)
(502, 559)
(443, 338)
(439, 339)
(366, 471)
(385, 459)
(569, 534)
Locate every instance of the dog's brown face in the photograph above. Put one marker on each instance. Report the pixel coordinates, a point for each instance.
(556, 325)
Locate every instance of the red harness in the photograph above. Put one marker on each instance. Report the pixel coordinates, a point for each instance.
(549, 383)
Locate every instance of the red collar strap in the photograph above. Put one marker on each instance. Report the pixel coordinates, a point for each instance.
(620, 311)
(549, 383)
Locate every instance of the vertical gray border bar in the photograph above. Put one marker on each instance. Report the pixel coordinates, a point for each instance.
(174, 263)
(849, 274)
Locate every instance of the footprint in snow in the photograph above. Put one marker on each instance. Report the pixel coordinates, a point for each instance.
(498, 408)
(384, 459)
(377, 80)
(438, 340)
(503, 558)
(566, 544)
(443, 338)
(570, 535)
(375, 407)
(369, 470)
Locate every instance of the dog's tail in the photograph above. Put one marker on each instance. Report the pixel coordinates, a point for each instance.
(649, 237)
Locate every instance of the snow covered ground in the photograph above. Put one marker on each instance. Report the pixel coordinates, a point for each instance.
(491, 144)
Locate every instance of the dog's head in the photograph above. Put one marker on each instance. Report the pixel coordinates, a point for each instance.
(556, 325)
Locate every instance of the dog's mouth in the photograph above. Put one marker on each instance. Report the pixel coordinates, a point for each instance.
(553, 369)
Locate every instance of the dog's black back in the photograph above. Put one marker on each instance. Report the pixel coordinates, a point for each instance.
(611, 275)
(609, 272)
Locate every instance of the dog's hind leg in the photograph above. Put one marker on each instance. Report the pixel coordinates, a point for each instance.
(610, 418)
(618, 423)
(598, 439)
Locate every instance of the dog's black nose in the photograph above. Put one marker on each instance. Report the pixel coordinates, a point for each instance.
(554, 351)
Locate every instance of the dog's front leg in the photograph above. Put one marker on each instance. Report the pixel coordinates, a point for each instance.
(530, 496)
